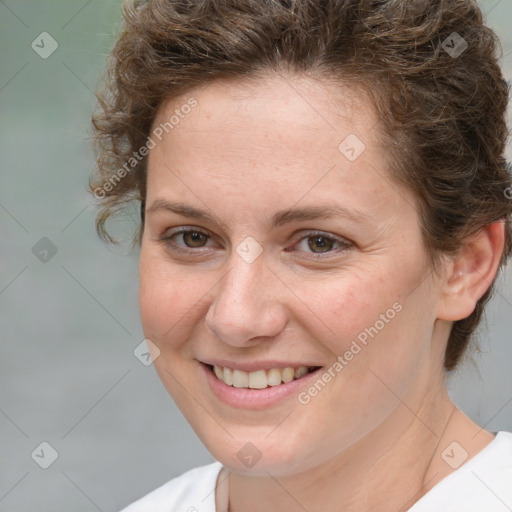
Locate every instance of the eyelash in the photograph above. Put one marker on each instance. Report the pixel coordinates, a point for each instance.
(170, 244)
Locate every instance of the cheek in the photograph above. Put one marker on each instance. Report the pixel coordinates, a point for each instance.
(349, 308)
(381, 331)
(372, 327)
(167, 299)
(168, 307)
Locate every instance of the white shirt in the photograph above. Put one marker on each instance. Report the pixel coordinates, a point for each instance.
(482, 484)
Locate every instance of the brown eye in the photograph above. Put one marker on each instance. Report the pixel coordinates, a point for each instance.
(319, 244)
(193, 238)
(317, 241)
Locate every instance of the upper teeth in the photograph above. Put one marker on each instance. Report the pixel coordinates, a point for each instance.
(259, 379)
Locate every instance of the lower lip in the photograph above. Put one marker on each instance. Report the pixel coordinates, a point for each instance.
(255, 398)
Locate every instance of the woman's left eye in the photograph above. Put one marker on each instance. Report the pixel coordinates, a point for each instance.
(324, 243)
(195, 239)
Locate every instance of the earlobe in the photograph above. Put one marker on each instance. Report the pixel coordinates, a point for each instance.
(472, 272)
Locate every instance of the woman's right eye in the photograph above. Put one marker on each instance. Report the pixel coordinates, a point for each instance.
(192, 238)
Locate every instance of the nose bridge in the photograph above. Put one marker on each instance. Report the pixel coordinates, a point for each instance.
(247, 270)
(243, 307)
(242, 287)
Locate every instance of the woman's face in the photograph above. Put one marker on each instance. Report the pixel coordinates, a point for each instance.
(265, 279)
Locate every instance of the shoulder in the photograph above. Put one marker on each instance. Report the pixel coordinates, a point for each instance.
(482, 483)
(193, 491)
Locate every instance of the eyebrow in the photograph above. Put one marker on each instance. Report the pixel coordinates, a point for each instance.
(278, 219)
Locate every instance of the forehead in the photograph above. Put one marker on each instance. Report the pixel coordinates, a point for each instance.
(271, 101)
(278, 118)
(262, 142)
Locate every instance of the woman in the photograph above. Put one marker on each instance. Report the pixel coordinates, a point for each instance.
(324, 212)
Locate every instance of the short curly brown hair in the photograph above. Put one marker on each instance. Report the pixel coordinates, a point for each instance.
(430, 68)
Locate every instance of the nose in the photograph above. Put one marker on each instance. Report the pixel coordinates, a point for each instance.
(248, 308)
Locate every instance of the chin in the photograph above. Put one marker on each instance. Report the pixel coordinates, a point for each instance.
(260, 456)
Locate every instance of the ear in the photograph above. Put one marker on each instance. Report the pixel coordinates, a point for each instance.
(471, 272)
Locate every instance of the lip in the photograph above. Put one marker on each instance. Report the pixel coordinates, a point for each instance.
(245, 398)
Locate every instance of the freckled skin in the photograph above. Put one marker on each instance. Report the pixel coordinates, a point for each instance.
(245, 154)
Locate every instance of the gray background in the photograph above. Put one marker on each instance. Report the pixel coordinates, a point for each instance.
(69, 325)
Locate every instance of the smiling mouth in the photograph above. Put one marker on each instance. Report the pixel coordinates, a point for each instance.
(260, 379)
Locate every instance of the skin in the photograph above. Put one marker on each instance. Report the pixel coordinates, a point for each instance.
(373, 437)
